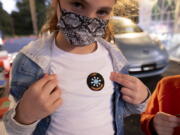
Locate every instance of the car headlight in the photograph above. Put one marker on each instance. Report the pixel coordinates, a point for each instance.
(135, 69)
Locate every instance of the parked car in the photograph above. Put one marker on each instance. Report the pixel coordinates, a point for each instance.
(147, 57)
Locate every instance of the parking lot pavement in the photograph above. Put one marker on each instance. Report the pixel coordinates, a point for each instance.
(173, 69)
(132, 126)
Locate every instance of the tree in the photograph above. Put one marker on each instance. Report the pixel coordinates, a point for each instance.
(5, 22)
(41, 9)
(22, 18)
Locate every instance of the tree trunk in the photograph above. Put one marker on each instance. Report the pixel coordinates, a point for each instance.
(33, 16)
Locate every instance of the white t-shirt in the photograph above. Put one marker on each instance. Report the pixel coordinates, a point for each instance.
(84, 111)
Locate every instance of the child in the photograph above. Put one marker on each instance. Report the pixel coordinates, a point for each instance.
(162, 114)
(69, 82)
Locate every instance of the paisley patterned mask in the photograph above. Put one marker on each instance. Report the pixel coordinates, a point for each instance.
(81, 30)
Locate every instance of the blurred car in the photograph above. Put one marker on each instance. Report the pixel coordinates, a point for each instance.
(147, 57)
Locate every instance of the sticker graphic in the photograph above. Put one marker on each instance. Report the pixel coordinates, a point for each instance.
(95, 81)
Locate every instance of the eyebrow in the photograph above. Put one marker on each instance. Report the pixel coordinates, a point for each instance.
(83, 1)
(101, 8)
(106, 8)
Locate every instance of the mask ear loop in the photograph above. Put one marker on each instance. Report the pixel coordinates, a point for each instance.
(60, 9)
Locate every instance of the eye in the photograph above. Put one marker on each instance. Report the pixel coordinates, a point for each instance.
(77, 5)
(103, 13)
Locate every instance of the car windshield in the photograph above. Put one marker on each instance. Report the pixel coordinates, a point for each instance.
(124, 26)
(133, 40)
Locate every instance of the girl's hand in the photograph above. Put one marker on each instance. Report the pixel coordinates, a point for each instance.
(133, 90)
(40, 100)
(164, 123)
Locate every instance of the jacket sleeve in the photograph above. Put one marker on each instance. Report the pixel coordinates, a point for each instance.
(12, 127)
(151, 110)
(136, 109)
(131, 108)
(24, 72)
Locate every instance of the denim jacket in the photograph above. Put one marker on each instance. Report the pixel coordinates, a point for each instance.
(33, 62)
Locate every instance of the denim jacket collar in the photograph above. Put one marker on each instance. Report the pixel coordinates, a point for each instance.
(40, 52)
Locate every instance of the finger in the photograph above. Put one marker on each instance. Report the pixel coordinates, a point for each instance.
(165, 128)
(178, 117)
(168, 124)
(56, 104)
(127, 99)
(125, 82)
(44, 80)
(49, 87)
(127, 92)
(55, 95)
(123, 76)
(164, 131)
(169, 117)
(178, 121)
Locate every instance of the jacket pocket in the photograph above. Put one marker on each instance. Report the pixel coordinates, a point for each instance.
(27, 67)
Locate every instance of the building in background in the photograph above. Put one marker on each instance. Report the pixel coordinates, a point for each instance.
(177, 17)
(161, 18)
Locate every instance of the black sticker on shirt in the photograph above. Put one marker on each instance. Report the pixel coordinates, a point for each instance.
(95, 81)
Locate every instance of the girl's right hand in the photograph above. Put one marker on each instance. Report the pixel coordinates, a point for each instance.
(40, 100)
(164, 123)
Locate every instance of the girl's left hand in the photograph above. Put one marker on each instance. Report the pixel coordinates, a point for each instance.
(133, 90)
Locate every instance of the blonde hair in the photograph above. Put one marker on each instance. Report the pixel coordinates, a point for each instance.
(121, 8)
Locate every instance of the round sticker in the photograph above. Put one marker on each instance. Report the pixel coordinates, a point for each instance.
(95, 81)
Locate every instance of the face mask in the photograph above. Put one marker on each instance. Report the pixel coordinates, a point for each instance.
(81, 30)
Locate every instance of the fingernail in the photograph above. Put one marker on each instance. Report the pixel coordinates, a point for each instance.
(53, 75)
(45, 75)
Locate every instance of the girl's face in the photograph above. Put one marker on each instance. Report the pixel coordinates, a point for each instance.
(90, 8)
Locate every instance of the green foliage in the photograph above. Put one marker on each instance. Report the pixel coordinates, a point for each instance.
(41, 8)
(5, 22)
(22, 18)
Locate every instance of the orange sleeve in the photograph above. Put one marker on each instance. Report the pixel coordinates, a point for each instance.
(151, 110)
